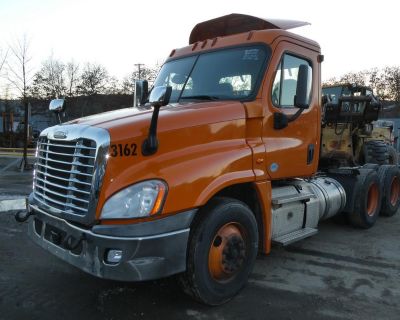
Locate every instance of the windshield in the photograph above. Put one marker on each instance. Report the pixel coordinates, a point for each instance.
(336, 92)
(229, 74)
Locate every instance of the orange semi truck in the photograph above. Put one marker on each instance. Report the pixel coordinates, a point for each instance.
(219, 160)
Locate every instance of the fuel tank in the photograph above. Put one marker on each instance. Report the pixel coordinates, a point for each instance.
(299, 203)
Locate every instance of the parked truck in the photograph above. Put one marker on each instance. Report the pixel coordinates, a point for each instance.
(218, 161)
(351, 134)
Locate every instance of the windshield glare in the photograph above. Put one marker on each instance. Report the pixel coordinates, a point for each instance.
(230, 74)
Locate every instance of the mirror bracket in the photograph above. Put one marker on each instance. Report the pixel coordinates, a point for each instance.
(159, 97)
(281, 120)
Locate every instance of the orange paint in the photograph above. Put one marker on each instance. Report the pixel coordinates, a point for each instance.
(205, 147)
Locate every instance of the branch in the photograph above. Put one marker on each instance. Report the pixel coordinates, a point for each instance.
(3, 61)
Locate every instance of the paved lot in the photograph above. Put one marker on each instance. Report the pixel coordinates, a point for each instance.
(13, 183)
(341, 273)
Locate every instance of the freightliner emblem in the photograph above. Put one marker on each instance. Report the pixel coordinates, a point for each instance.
(60, 134)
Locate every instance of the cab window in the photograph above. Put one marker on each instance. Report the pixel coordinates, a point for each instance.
(225, 74)
(285, 82)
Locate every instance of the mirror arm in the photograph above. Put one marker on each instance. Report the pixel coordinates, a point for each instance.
(150, 144)
(281, 120)
(159, 97)
(296, 115)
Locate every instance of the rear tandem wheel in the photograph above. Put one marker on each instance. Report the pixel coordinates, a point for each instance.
(367, 199)
(389, 176)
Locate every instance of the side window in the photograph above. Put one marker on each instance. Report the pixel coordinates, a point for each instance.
(285, 82)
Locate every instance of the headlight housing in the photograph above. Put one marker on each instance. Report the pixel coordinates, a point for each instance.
(142, 199)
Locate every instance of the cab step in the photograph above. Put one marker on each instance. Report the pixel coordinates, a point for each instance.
(294, 236)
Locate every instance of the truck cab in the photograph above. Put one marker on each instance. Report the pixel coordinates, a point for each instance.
(218, 161)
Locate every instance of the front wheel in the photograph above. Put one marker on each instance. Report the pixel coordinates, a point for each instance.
(222, 250)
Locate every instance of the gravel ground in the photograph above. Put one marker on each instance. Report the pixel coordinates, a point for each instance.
(341, 273)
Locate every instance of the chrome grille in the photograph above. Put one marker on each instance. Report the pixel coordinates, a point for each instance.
(64, 173)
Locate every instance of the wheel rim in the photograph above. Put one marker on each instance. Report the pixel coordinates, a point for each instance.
(394, 191)
(373, 199)
(227, 252)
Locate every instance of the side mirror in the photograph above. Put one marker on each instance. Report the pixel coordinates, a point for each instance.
(141, 92)
(57, 105)
(303, 88)
(160, 96)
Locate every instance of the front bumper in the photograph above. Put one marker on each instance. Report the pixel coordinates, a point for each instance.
(150, 250)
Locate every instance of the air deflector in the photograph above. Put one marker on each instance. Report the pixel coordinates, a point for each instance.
(237, 23)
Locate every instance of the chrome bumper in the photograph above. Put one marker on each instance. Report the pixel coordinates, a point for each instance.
(146, 254)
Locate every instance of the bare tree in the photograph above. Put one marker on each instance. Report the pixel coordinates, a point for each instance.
(93, 80)
(376, 80)
(3, 59)
(357, 78)
(128, 85)
(146, 73)
(49, 81)
(331, 82)
(392, 81)
(72, 77)
(113, 86)
(19, 75)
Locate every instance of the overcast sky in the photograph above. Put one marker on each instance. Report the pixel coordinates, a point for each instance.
(354, 35)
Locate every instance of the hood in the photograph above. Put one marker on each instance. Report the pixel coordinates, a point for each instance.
(202, 146)
(171, 117)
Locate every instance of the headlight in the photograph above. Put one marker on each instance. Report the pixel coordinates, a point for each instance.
(139, 200)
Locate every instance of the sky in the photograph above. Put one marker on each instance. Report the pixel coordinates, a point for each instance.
(354, 35)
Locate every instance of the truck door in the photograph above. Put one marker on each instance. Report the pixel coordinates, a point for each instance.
(291, 151)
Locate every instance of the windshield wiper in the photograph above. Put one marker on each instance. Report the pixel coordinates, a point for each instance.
(201, 97)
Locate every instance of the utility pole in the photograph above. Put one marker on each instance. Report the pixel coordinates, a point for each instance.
(139, 65)
(24, 162)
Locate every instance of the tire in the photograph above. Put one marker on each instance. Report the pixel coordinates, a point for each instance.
(389, 176)
(367, 200)
(375, 151)
(393, 157)
(222, 250)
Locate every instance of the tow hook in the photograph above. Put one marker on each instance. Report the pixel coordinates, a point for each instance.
(71, 243)
(23, 215)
